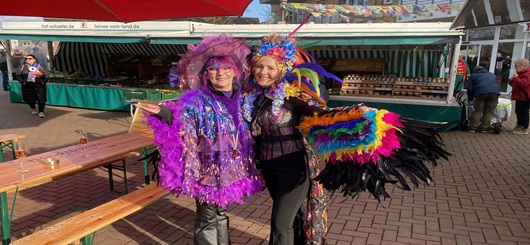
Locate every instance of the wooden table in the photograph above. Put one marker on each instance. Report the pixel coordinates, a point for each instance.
(71, 161)
(7, 141)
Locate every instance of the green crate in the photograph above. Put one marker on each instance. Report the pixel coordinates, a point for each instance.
(70, 80)
(56, 80)
(153, 95)
(134, 94)
(169, 95)
(83, 82)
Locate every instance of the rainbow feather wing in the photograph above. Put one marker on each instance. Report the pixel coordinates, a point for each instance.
(363, 138)
(366, 151)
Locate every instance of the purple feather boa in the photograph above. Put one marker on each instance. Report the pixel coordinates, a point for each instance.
(197, 158)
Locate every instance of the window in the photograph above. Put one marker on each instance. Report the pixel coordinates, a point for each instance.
(485, 33)
(527, 53)
(508, 32)
(355, 2)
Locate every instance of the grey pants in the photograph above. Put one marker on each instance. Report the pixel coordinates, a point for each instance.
(211, 225)
(483, 108)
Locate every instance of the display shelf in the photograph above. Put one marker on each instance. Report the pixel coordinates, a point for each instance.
(394, 87)
(442, 98)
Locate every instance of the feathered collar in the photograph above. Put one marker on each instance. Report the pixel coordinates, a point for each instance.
(278, 92)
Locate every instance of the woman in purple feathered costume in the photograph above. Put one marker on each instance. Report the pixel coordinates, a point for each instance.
(205, 145)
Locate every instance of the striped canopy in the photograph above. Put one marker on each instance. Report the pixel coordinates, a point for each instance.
(92, 58)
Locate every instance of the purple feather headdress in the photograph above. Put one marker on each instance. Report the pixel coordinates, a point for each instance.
(191, 63)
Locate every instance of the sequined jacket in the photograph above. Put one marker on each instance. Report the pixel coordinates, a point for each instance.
(206, 151)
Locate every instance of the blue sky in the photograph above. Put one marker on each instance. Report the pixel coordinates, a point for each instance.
(255, 9)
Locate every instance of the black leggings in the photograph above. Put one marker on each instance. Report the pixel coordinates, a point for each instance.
(288, 184)
(521, 111)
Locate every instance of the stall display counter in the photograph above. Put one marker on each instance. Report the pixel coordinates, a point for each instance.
(435, 111)
(91, 97)
(394, 87)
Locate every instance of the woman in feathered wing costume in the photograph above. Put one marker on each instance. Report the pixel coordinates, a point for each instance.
(363, 148)
(205, 146)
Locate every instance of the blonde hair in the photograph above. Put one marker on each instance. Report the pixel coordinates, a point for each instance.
(522, 62)
(257, 60)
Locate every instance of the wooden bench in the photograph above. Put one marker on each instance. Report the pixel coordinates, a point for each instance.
(7, 141)
(88, 222)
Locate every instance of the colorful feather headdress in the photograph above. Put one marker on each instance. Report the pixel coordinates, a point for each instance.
(281, 48)
(299, 72)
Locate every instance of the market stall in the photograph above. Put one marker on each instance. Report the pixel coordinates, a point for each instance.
(408, 68)
(404, 67)
(101, 65)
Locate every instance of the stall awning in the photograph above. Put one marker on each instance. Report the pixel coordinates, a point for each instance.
(332, 34)
(481, 13)
(92, 58)
(319, 40)
(192, 32)
(80, 38)
(91, 32)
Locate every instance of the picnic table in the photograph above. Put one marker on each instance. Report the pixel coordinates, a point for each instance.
(8, 141)
(72, 160)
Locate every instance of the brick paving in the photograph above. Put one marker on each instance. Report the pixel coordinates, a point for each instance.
(480, 196)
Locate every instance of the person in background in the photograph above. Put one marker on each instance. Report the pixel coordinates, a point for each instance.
(520, 83)
(18, 60)
(483, 90)
(33, 78)
(41, 57)
(471, 63)
(3, 69)
(462, 73)
(205, 146)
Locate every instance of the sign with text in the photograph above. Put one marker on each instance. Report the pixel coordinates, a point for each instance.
(97, 26)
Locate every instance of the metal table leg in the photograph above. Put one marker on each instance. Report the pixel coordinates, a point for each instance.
(6, 220)
(1, 152)
(146, 167)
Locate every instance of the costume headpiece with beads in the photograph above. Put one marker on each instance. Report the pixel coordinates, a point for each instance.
(299, 72)
(281, 48)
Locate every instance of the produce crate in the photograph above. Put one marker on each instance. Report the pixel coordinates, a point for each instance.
(134, 94)
(153, 95)
(166, 95)
(56, 80)
(84, 82)
(70, 80)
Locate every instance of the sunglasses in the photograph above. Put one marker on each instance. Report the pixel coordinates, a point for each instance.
(28, 58)
(213, 69)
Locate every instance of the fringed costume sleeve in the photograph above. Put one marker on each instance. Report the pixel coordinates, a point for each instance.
(364, 151)
(177, 144)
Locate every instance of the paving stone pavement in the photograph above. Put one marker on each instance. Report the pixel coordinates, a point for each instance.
(480, 196)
